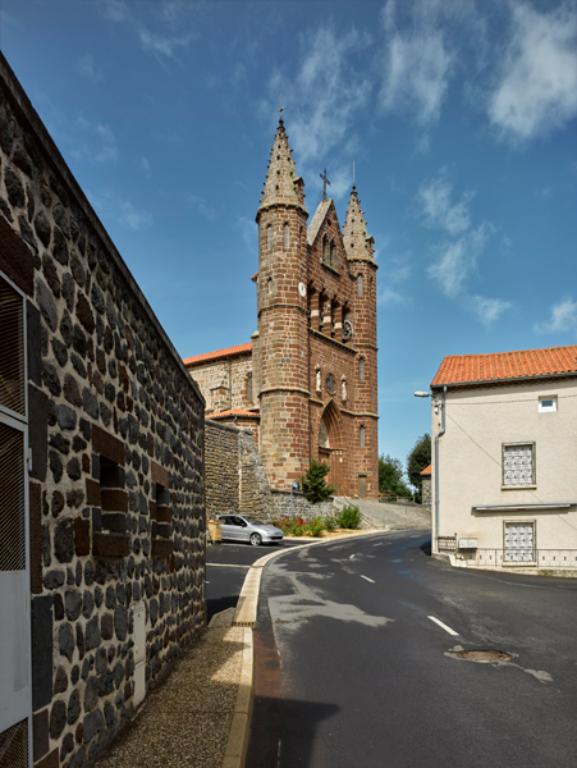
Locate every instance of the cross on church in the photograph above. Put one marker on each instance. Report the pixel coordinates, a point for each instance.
(326, 183)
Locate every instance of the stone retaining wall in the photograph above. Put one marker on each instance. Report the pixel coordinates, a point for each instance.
(221, 468)
(116, 430)
(286, 504)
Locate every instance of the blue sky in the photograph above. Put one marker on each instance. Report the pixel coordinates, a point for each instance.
(460, 117)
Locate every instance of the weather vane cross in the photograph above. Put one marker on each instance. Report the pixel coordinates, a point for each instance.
(326, 183)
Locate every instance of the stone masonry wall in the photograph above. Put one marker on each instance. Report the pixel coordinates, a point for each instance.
(254, 491)
(221, 469)
(116, 497)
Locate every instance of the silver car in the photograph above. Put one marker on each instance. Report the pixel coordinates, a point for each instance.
(241, 528)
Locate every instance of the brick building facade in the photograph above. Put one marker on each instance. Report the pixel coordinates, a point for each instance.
(307, 384)
(102, 522)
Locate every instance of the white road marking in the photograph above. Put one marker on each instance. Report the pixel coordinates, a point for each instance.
(352, 557)
(443, 626)
(366, 578)
(228, 565)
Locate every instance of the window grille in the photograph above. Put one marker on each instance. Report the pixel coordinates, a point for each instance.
(519, 464)
(14, 746)
(11, 349)
(12, 524)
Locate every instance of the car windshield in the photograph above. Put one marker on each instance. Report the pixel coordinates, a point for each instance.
(252, 521)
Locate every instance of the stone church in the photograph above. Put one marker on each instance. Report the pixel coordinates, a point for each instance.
(306, 386)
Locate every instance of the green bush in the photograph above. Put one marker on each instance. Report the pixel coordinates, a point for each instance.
(314, 485)
(315, 526)
(330, 523)
(349, 517)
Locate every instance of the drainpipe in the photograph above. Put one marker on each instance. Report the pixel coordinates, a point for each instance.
(438, 437)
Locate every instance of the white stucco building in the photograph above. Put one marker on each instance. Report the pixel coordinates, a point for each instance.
(504, 489)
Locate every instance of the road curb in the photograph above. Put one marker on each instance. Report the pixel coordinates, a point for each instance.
(245, 617)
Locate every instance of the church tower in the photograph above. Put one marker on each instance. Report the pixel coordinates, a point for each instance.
(359, 247)
(280, 347)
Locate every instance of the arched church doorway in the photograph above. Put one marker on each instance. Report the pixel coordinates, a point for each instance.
(330, 445)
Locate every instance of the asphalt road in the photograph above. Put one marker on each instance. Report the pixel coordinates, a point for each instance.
(227, 565)
(352, 668)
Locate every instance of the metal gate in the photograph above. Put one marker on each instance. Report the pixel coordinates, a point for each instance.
(15, 687)
(519, 542)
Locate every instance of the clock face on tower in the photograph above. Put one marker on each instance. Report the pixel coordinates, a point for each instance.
(330, 384)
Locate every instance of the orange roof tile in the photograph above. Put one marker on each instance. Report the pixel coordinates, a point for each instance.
(427, 471)
(234, 412)
(507, 366)
(205, 357)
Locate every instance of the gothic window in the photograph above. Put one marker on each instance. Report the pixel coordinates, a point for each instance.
(269, 237)
(326, 252)
(323, 434)
(360, 286)
(249, 390)
(362, 366)
(333, 254)
(269, 285)
(286, 235)
(362, 436)
(330, 384)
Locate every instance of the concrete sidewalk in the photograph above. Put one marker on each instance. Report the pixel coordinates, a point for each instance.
(189, 720)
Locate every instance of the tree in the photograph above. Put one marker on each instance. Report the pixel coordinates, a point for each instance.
(314, 485)
(391, 480)
(417, 460)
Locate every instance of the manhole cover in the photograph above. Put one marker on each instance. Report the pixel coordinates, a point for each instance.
(481, 656)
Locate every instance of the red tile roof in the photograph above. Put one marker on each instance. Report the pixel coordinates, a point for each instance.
(239, 349)
(507, 366)
(427, 471)
(242, 412)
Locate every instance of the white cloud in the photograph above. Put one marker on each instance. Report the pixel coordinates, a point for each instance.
(537, 90)
(144, 163)
(457, 260)
(110, 207)
(200, 205)
(248, 233)
(438, 207)
(487, 309)
(563, 318)
(93, 142)
(417, 62)
(115, 10)
(323, 98)
(162, 46)
(129, 216)
(86, 67)
(390, 297)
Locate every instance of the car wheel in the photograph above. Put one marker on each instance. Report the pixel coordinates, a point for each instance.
(255, 539)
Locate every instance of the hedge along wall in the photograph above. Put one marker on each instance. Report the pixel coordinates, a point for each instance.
(116, 429)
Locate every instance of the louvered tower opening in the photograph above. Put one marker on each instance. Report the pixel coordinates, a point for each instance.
(14, 746)
(11, 349)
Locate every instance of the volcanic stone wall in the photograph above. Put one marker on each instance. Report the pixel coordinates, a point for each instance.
(116, 496)
(221, 469)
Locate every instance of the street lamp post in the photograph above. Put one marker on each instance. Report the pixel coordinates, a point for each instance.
(438, 435)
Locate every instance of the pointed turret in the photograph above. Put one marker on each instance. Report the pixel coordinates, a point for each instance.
(282, 185)
(358, 242)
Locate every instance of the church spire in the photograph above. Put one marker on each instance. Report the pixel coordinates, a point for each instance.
(282, 185)
(358, 242)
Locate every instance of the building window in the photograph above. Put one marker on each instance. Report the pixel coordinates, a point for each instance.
(519, 542)
(519, 465)
(344, 393)
(362, 436)
(325, 254)
(548, 404)
(318, 385)
(269, 237)
(362, 366)
(360, 286)
(333, 254)
(286, 235)
(13, 428)
(249, 391)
